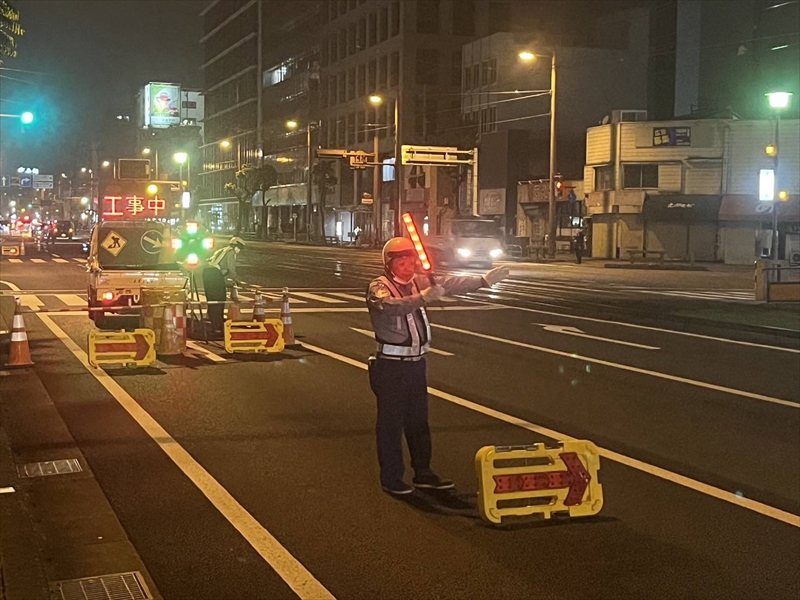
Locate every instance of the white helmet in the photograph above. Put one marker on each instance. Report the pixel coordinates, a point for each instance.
(237, 241)
(396, 247)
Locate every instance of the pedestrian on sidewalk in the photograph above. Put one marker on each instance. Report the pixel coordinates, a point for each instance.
(579, 245)
(398, 371)
(220, 269)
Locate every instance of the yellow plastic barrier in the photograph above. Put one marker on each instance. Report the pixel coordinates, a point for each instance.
(252, 336)
(135, 348)
(524, 480)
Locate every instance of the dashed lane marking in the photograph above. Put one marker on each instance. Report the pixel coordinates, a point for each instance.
(296, 576)
(38, 260)
(15, 260)
(688, 482)
(60, 260)
(318, 298)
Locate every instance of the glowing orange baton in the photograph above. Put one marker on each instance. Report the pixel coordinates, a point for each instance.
(413, 233)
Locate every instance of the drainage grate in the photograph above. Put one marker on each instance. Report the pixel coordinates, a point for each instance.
(51, 467)
(122, 586)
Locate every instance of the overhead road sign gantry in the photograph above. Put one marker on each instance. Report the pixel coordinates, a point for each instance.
(436, 155)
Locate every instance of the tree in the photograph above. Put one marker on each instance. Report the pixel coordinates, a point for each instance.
(10, 29)
(324, 174)
(249, 180)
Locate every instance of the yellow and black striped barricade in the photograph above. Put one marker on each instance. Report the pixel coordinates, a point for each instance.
(135, 348)
(521, 481)
(252, 336)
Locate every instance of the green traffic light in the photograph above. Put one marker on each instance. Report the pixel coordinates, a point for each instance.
(26, 118)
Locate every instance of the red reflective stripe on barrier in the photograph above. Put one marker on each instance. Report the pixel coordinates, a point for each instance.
(576, 478)
(140, 347)
(249, 335)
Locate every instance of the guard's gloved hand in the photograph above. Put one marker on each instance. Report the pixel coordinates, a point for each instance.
(496, 275)
(432, 293)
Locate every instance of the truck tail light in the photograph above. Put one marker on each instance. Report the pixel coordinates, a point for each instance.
(108, 296)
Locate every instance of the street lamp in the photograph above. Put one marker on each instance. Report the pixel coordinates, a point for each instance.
(146, 152)
(528, 56)
(225, 144)
(292, 125)
(777, 101)
(376, 100)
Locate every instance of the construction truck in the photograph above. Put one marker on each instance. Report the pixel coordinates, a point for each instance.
(466, 241)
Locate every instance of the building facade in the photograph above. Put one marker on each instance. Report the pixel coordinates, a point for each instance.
(690, 188)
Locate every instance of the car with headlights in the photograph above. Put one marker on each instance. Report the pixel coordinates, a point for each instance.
(466, 242)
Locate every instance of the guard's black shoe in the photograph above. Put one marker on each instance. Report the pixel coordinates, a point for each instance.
(432, 481)
(398, 488)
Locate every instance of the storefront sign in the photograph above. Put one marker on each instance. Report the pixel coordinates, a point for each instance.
(672, 136)
(162, 102)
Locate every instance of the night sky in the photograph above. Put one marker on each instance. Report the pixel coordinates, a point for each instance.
(90, 59)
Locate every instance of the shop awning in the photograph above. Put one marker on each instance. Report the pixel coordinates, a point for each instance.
(750, 208)
(685, 209)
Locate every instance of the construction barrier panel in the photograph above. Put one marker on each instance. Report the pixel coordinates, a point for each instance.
(153, 314)
(252, 336)
(135, 348)
(521, 481)
(11, 251)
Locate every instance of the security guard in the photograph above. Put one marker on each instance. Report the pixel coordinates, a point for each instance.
(221, 267)
(397, 373)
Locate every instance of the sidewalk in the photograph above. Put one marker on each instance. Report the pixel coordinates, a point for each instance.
(57, 524)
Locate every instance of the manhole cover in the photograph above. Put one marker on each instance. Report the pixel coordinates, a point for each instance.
(51, 467)
(121, 586)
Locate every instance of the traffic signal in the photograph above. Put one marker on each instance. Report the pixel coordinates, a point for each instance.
(152, 189)
(783, 195)
(559, 189)
(771, 150)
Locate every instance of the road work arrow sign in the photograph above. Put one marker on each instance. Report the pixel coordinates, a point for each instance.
(538, 480)
(130, 348)
(252, 336)
(574, 331)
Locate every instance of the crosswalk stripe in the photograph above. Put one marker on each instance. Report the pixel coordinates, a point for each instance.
(60, 260)
(348, 296)
(318, 298)
(80, 260)
(37, 260)
(71, 299)
(15, 260)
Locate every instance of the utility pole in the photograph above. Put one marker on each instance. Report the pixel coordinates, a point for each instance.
(551, 195)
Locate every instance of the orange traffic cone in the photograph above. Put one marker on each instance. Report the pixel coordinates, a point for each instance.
(260, 308)
(234, 313)
(19, 355)
(286, 319)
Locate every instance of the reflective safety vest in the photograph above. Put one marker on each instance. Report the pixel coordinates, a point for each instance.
(220, 259)
(415, 346)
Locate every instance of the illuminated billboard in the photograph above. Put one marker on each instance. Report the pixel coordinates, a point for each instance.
(162, 103)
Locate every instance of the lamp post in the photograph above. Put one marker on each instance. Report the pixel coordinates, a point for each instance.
(182, 158)
(376, 100)
(146, 152)
(529, 56)
(777, 101)
(292, 125)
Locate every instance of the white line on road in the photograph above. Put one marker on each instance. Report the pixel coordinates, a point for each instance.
(317, 297)
(622, 367)
(71, 299)
(38, 260)
(635, 326)
(348, 296)
(30, 300)
(567, 330)
(7, 490)
(688, 482)
(296, 576)
(15, 260)
(204, 351)
(370, 334)
(79, 260)
(60, 260)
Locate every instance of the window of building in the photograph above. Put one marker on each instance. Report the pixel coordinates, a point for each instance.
(394, 70)
(488, 118)
(332, 99)
(476, 75)
(351, 84)
(383, 75)
(361, 80)
(640, 176)
(351, 38)
(342, 43)
(427, 65)
(455, 68)
(188, 104)
(395, 19)
(361, 36)
(372, 76)
(372, 29)
(342, 85)
(467, 78)
(383, 25)
(428, 17)
(342, 7)
(603, 178)
(333, 48)
(464, 17)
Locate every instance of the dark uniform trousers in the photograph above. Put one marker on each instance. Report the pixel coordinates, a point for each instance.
(401, 388)
(214, 289)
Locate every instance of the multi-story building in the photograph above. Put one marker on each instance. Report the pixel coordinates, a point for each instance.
(690, 188)
(707, 57)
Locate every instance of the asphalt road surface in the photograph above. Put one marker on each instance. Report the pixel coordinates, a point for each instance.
(249, 478)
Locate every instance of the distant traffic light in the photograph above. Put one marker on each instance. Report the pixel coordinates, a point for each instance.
(783, 195)
(771, 150)
(152, 189)
(559, 188)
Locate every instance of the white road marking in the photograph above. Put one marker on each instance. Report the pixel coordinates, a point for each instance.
(80, 260)
(688, 482)
(371, 334)
(30, 300)
(296, 576)
(15, 260)
(567, 330)
(204, 351)
(38, 260)
(60, 260)
(71, 299)
(635, 326)
(317, 297)
(7, 490)
(348, 296)
(622, 367)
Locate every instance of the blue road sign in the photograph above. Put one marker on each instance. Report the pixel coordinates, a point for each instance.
(26, 182)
